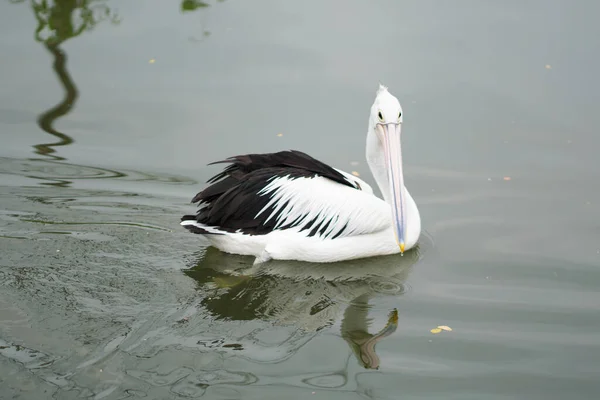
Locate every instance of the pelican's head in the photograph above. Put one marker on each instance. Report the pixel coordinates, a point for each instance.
(385, 125)
(386, 108)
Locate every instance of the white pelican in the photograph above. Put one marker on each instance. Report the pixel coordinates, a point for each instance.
(289, 206)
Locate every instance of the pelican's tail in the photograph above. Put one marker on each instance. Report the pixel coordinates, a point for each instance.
(190, 223)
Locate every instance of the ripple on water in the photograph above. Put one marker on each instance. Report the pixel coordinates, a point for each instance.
(62, 173)
(86, 277)
(385, 286)
(330, 381)
(107, 280)
(161, 376)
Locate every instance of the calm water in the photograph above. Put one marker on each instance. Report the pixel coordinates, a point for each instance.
(110, 111)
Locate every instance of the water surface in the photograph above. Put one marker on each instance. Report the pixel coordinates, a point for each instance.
(111, 110)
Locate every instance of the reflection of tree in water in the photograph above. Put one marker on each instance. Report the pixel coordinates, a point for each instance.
(309, 296)
(59, 21)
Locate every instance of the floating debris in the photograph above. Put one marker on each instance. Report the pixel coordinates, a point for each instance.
(279, 134)
(441, 328)
(355, 173)
(507, 178)
(548, 66)
(152, 61)
(354, 163)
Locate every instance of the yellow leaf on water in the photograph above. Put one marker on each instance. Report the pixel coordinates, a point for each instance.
(152, 61)
(548, 66)
(445, 328)
(355, 173)
(280, 134)
(436, 330)
(507, 178)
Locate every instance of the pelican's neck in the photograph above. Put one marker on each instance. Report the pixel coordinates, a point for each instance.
(376, 161)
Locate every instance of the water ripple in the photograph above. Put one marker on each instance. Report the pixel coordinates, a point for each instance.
(62, 174)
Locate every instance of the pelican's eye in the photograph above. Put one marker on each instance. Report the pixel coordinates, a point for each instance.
(380, 115)
(399, 115)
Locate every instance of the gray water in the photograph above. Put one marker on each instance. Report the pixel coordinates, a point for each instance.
(110, 111)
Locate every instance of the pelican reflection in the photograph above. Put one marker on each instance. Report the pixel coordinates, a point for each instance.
(311, 297)
(355, 332)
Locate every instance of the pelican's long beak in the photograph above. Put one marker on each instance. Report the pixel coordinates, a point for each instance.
(390, 137)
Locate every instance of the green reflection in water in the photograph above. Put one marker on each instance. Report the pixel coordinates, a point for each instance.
(57, 22)
(309, 296)
(192, 5)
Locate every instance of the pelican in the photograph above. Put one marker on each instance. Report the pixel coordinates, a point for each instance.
(290, 206)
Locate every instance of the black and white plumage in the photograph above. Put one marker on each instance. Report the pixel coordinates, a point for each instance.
(245, 191)
(288, 205)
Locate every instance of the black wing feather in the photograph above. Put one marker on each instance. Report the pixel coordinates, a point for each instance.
(231, 202)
